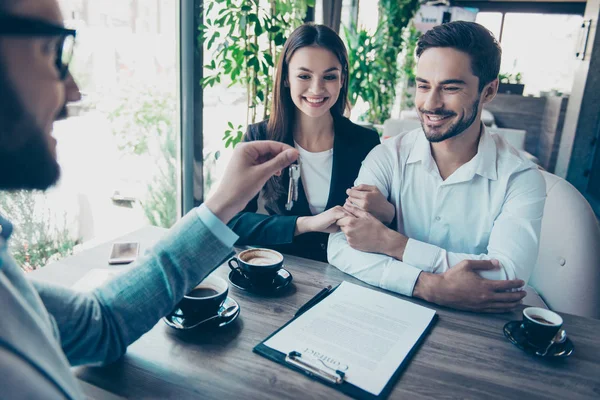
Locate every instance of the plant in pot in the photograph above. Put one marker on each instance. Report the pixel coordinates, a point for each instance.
(510, 84)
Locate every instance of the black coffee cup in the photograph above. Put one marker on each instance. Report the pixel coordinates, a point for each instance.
(540, 325)
(260, 266)
(205, 299)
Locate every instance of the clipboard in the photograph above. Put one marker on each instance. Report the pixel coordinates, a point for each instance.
(327, 375)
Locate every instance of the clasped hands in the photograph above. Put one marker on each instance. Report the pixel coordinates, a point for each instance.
(365, 197)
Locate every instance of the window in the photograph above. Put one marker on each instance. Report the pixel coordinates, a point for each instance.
(368, 14)
(539, 46)
(492, 21)
(119, 148)
(542, 48)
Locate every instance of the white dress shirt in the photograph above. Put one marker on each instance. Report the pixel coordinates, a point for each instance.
(489, 208)
(315, 172)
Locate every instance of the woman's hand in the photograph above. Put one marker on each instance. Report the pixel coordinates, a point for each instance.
(324, 222)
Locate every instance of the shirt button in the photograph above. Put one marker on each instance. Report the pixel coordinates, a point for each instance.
(438, 218)
(323, 246)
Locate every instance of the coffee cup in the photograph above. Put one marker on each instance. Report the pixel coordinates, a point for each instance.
(205, 299)
(540, 325)
(257, 265)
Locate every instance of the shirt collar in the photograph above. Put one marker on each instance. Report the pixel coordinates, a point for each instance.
(421, 150)
(484, 162)
(485, 159)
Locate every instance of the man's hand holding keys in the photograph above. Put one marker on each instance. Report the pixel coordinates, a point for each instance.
(251, 165)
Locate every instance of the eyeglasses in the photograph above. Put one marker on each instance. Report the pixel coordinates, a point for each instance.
(19, 26)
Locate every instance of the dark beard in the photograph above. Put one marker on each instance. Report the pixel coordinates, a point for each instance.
(454, 130)
(26, 161)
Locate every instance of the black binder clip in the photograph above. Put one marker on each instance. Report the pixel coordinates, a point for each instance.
(314, 369)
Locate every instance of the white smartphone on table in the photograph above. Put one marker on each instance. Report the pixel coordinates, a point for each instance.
(124, 253)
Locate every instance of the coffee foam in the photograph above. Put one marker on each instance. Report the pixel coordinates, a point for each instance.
(260, 257)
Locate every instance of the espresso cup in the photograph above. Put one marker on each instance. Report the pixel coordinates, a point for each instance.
(540, 325)
(205, 299)
(257, 265)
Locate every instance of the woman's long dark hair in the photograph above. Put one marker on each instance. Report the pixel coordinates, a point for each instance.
(283, 110)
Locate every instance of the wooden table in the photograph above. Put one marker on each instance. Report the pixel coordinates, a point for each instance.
(465, 356)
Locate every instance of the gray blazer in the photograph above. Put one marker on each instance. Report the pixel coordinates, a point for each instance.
(46, 329)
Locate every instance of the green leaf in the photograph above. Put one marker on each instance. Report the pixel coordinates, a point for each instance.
(246, 8)
(230, 125)
(279, 39)
(268, 59)
(217, 154)
(258, 30)
(253, 62)
(212, 40)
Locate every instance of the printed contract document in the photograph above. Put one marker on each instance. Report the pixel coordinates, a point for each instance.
(362, 332)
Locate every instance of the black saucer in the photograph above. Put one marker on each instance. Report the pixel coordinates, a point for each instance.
(281, 281)
(514, 332)
(184, 324)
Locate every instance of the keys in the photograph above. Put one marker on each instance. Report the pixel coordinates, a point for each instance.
(294, 172)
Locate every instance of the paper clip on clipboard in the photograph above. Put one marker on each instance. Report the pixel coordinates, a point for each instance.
(295, 358)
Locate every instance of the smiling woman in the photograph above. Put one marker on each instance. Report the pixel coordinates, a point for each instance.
(309, 102)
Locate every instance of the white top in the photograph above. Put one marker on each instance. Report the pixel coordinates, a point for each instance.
(315, 172)
(491, 207)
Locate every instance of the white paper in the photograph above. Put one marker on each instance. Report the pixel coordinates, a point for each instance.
(94, 278)
(363, 332)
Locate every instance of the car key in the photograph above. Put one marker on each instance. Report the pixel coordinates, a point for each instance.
(294, 173)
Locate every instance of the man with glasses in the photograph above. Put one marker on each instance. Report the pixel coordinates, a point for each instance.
(44, 328)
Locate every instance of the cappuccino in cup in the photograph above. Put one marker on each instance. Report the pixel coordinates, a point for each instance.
(260, 257)
(258, 265)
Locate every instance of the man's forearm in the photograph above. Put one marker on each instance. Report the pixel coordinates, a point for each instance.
(425, 286)
(393, 244)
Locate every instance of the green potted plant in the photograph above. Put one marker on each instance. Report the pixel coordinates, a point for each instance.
(511, 84)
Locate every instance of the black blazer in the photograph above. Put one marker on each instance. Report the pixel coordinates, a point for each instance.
(351, 145)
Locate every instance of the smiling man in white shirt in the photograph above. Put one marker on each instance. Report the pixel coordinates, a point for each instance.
(468, 206)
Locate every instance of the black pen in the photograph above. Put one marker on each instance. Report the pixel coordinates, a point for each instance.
(318, 297)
